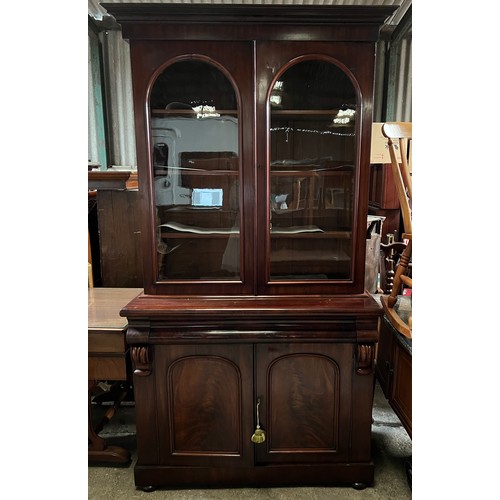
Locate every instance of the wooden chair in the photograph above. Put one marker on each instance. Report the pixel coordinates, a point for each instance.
(390, 253)
(399, 135)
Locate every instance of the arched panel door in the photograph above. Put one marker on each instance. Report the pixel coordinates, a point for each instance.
(305, 402)
(204, 396)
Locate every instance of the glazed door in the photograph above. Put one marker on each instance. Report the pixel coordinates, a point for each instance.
(198, 177)
(304, 395)
(204, 403)
(309, 111)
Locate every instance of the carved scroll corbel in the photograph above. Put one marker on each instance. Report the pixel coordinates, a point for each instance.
(366, 356)
(138, 337)
(140, 360)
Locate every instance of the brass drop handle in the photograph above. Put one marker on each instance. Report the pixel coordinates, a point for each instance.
(259, 436)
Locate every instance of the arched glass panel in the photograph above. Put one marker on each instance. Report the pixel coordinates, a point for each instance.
(313, 108)
(194, 118)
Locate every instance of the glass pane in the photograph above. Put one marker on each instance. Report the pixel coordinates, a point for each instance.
(312, 157)
(196, 173)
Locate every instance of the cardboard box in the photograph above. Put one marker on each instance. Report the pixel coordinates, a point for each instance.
(380, 148)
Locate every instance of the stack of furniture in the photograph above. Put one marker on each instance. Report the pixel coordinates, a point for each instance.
(399, 136)
(394, 356)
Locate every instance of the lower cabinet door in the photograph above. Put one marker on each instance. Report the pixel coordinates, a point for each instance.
(204, 397)
(304, 395)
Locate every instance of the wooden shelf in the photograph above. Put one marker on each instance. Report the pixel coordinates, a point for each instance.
(307, 235)
(192, 113)
(113, 179)
(179, 235)
(224, 173)
(325, 172)
(318, 235)
(302, 112)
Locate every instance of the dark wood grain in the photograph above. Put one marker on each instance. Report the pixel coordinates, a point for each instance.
(206, 351)
(119, 238)
(306, 401)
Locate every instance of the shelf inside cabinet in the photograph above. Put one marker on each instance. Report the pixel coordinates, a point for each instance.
(177, 230)
(288, 112)
(309, 234)
(203, 235)
(300, 113)
(310, 173)
(202, 172)
(190, 112)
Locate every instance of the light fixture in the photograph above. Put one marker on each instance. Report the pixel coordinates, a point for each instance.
(344, 117)
(276, 94)
(204, 111)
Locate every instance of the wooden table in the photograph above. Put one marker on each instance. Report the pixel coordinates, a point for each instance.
(107, 357)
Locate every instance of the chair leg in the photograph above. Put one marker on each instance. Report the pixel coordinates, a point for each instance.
(400, 270)
(389, 301)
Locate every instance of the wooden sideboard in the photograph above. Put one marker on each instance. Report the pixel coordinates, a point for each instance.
(202, 365)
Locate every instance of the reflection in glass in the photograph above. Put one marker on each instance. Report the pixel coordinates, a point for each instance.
(312, 156)
(194, 130)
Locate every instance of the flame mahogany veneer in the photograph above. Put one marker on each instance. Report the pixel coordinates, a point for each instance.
(205, 353)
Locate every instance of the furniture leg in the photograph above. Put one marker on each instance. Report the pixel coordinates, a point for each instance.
(400, 271)
(99, 451)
